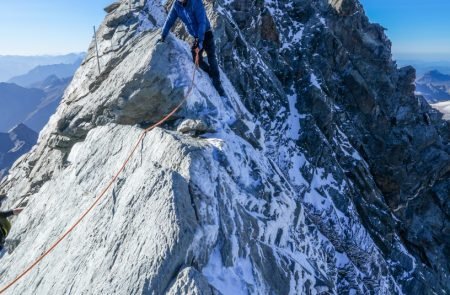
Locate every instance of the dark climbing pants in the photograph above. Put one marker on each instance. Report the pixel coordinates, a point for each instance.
(2, 240)
(212, 67)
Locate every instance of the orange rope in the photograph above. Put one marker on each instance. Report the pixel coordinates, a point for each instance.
(105, 190)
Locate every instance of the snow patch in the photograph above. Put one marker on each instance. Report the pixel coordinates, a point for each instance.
(314, 81)
(229, 280)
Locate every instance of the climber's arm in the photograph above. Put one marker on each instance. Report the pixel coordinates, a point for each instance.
(200, 14)
(170, 21)
(5, 214)
(10, 213)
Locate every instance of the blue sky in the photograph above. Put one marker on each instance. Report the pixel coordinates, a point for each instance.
(419, 28)
(30, 27)
(35, 27)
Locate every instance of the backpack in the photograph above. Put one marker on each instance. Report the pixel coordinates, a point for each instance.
(5, 227)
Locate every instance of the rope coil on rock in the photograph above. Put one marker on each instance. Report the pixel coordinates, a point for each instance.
(113, 180)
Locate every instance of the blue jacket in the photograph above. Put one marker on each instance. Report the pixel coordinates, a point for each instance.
(193, 16)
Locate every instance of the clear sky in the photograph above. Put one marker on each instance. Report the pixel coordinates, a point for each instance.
(31, 27)
(417, 28)
(36, 27)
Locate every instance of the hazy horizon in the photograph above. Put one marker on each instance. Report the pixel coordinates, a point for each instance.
(46, 24)
(417, 29)
(43, 55)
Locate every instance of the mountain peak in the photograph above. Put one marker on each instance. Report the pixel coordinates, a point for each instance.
(20, 129)
(434, 76)
(322, 172)
(23, 133)
(434, 86)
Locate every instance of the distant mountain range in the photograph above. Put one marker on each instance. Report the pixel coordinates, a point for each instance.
(434, 86)
(27, 102)
(422, 66)
(36, 75)
(12, 66)
(33, 97)
(17, 103)
(53, 88)
(31, 106)
(435, 77)
(14, 144)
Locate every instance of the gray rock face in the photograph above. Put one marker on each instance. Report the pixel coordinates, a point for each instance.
(376, 139)
(326, 174)
(113, 6)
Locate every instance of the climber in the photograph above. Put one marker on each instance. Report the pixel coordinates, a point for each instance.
(193, 15)
(5, 225)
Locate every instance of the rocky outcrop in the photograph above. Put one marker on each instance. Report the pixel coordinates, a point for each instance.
(387, 145)
(325, 173)
(194, 127)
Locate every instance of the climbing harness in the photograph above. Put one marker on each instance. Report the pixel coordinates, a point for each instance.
(113, 180)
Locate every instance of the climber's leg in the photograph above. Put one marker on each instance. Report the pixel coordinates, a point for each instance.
(214, 73)
(203, 65)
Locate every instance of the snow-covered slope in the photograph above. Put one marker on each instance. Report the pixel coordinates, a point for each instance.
(295, 189)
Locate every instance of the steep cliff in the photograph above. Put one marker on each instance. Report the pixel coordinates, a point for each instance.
(320, 173)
